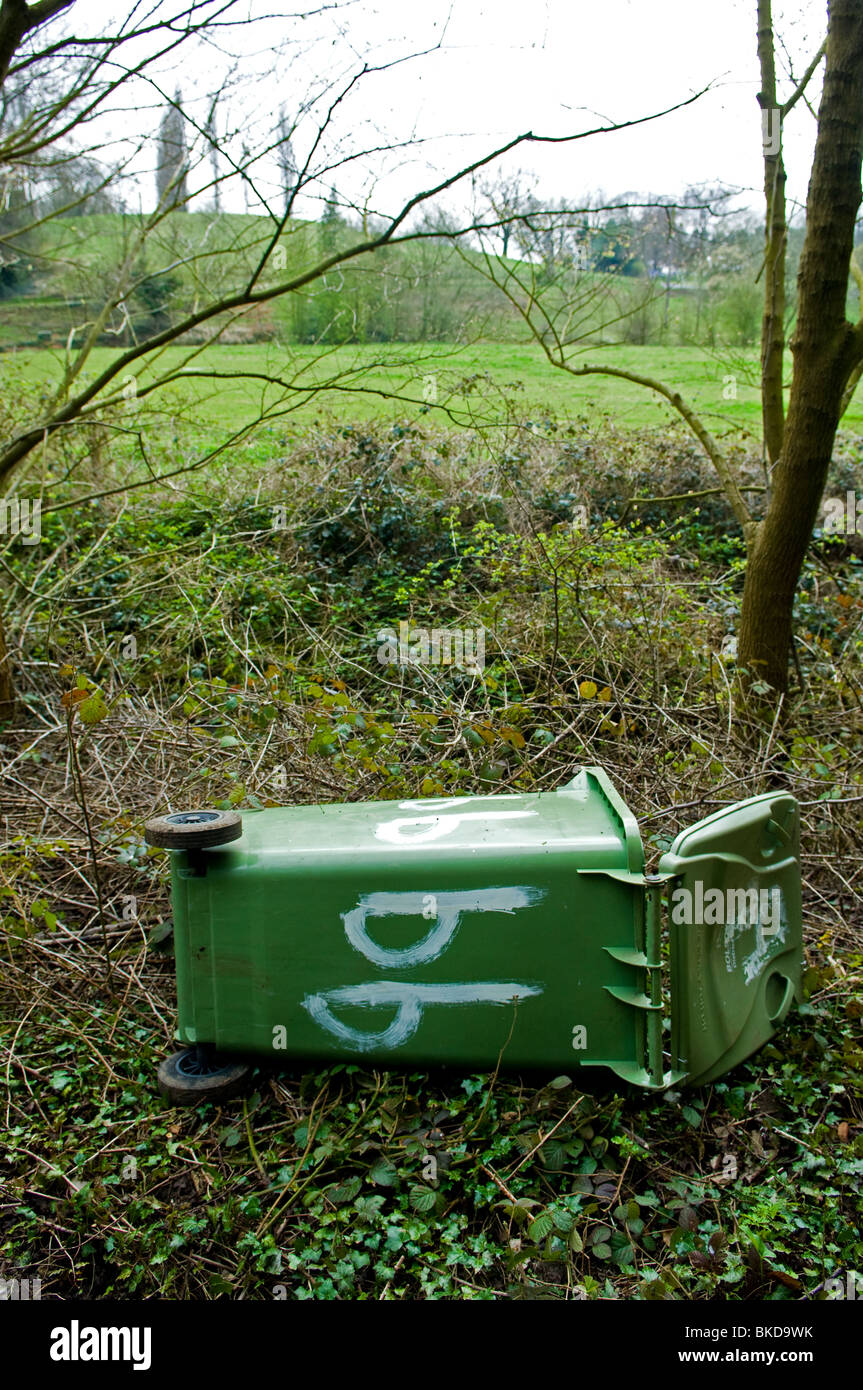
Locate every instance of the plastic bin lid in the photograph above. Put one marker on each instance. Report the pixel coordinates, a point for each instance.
(736, 932)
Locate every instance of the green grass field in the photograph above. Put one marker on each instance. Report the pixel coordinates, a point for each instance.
(446, 383)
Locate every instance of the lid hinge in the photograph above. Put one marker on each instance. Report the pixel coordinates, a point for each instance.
(648, 998)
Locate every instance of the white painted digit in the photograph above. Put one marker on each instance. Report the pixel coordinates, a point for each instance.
(409, 1001)
(436, 827)
(450, 906)
(445, 803)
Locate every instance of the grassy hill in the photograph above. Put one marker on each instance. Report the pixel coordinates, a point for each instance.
(423, 291)
(419, 291)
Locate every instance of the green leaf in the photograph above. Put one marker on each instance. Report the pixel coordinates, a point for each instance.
(624, 1256)
(541, 1226)
(343, 1192)
(93, 709)
(384, 1173)
(162, 931)
(422, 1198)
(554, 1156)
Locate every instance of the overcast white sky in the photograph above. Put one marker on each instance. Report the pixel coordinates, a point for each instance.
(551, 66)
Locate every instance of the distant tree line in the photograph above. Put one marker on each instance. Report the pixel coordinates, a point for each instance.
(686, 270)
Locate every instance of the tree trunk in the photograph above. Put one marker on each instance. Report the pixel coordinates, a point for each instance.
(825, 348)
(17, 19)
(7, 690)
(773, 322)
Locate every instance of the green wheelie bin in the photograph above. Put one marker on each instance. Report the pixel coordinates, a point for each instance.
(518, 929)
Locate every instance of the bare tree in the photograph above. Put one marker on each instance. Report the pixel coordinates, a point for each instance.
(827, 349)
(509, 198)
(19, 21)
(287, 161)
(173, 159)
(211, 130)
(268, 258)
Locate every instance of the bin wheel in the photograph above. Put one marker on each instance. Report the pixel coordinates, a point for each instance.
(192, 1076)
(193, 829)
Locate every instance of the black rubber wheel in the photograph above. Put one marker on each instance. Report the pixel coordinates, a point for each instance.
(190, 1077)
(194, 829)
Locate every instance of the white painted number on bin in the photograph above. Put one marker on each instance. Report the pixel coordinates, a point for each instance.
(427, 828)
(449, 907)
(432, 825)
(410, 1000)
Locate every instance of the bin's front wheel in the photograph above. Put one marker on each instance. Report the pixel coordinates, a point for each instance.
(193, 829)
(192, 1076)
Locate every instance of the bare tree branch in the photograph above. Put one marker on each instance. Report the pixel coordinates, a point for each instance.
(18, 20)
